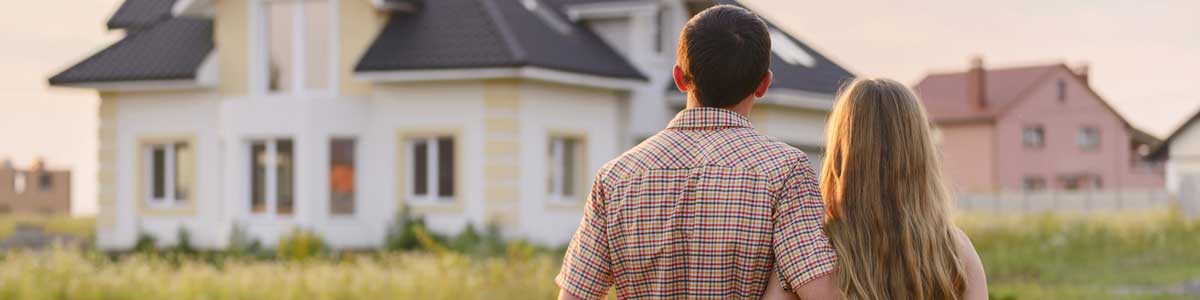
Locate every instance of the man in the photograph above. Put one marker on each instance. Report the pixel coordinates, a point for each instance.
(709, 207)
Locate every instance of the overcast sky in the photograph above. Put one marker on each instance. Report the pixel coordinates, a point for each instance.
(1144, 56)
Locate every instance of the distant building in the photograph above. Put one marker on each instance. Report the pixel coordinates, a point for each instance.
(1181, 151)
(34, 191)
(1034, 128)
(330, 115)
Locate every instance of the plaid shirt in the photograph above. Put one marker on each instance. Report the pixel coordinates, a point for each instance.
(703, 209)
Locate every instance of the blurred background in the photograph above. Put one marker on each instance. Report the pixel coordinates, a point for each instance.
(439, 145)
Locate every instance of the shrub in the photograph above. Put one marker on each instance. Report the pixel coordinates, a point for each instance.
(241, 243)
(146, 243)
(184, 243)
(300, 245)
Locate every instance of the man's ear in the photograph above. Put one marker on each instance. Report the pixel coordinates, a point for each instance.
(764, 85)
(680, 83)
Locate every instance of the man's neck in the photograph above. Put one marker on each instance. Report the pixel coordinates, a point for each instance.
(742, 108)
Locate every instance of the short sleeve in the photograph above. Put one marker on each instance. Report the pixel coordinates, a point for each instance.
(586, 269)
(802, 251)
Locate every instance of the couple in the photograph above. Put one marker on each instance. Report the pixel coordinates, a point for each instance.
(710, 208)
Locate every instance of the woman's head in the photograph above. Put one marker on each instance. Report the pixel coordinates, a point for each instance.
(887, 209)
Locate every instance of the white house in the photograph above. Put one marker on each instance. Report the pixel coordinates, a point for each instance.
(329, 115)
(1181, 150)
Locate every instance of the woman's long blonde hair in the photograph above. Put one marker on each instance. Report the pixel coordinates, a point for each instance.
(887, 211)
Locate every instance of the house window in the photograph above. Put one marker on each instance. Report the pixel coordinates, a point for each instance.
(1062, 90)
(19, 182)
(1088, 138)
(272, 177)
(341, 176)
(565, 162)
(1034, 137)
(297, 35)
(431, 168)
(45, 182)
(1033, 183)
(170, 168)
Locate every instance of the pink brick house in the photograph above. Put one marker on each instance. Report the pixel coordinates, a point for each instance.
(1034, 128)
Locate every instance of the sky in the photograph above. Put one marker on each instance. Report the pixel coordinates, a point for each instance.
(1143, 57)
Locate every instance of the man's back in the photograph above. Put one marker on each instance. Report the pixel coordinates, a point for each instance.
(699, 211)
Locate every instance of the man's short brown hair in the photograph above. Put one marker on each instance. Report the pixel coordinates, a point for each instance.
(724, 51)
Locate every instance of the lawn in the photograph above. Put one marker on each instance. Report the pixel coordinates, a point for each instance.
(1146, 256)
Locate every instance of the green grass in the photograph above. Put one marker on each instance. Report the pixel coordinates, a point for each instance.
(1042, 257)
(1098, 257)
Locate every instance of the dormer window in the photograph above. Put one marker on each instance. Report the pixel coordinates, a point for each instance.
(789, 51)
(295, 40)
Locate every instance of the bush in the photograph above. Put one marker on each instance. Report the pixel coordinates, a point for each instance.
(184, 242)
(146, 243)
(408, 232)
(300, 245)
(241, 243)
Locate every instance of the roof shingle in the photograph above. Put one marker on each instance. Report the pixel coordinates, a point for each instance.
(140, 13)
(173, 49)
(450, 34)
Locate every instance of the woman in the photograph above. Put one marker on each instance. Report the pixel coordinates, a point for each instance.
(887, 209)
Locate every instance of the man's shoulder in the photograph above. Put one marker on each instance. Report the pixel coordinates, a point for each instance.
(766, 150)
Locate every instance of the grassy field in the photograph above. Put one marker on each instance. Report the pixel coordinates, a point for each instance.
(1111, 257)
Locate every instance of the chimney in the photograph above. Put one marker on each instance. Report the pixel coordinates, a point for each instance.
(39, 165)
(976, 83)
(1082, 72)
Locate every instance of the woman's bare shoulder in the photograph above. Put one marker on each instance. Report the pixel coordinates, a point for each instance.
(969, 258)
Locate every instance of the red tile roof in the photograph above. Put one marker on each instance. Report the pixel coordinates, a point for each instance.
(945, 94)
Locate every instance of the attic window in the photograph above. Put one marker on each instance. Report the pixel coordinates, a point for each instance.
(789, 51)
(547, 15)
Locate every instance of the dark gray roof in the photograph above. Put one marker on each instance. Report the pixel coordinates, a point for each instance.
(824, 77)
(140, 13)
(172, 49)
(449, 34)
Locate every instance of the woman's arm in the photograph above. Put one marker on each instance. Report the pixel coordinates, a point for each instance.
(775, 291)
(976, 279)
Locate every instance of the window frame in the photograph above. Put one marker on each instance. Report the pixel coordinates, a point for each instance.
(405, 169)
(1082, 134)
(355, 154)
(555, 162)
(1041, 130)
(169, 204)
(259, 50)
(270, 177)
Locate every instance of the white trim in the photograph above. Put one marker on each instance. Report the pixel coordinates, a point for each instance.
(432, 168)
(534, 73)
(782, 97)
(556, 171)
(169, 199)
(405, 6)
(193, 8)
(137, 85)
(270, 180)
(208, 74)
(601, 10)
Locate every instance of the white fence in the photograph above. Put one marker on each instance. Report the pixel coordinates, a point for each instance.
(1187, 201)
(1100, 201)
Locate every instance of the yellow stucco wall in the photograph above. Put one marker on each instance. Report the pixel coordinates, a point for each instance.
(501, 98)
(106, 169)
(360, 22)
(231, 36)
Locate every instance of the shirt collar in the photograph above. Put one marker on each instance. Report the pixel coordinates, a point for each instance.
(708, 117)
